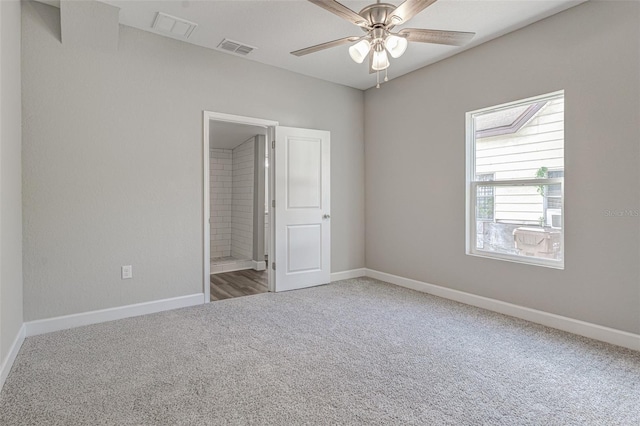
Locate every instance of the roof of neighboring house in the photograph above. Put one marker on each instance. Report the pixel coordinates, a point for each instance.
(505, 121)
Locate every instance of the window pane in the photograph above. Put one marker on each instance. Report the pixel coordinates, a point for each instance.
(522, 142)
(484, 198)
(484, 208)
(520, 224)
(554, 190)
(554, 203)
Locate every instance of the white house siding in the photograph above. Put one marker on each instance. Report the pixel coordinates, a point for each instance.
(540, 143)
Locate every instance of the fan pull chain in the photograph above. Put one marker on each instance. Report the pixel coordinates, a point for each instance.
(386, 78)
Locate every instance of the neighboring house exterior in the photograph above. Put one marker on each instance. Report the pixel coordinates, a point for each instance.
(519, 143)
(520, 150)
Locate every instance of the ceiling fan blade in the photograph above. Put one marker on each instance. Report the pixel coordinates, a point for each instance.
(407, 10)
(451, 38)
(327, 45)
(342, 11)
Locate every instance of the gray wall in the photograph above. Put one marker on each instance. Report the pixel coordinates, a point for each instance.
(10, 177)
(415, 164)
(112, 161)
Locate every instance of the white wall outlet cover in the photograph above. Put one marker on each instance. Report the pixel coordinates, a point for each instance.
(127, 272)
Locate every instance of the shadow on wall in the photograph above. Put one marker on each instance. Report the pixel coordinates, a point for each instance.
(52, 26)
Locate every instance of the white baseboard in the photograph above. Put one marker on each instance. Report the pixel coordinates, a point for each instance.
(259, 265)
(7, 363)
(345, 275)
(48, 325)
(582, 328)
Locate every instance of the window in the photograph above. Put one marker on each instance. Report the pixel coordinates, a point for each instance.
(515, 181)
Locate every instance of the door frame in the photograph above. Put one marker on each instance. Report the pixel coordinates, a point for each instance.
(270, 125)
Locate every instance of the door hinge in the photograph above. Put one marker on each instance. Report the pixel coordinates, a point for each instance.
(273, 144)
(273, 266)
(273, 203)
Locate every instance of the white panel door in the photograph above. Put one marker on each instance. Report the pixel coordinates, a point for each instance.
(302, 220)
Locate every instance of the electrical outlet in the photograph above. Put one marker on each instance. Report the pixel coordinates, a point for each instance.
(127, 272)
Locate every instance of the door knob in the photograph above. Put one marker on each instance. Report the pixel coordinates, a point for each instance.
(326, 216)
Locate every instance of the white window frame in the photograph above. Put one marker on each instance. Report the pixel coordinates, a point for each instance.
(471, 189)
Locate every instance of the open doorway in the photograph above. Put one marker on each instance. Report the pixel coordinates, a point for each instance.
(290, 221)
(237, 172)
(237, 188)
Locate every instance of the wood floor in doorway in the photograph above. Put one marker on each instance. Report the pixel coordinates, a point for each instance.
(238, 283)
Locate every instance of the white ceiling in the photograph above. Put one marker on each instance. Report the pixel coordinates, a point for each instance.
(223, 135)
(277, 27)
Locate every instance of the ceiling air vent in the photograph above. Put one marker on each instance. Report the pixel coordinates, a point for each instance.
(235, 47)
(173, 26)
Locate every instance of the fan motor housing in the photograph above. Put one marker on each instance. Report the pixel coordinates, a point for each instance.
(377, 14)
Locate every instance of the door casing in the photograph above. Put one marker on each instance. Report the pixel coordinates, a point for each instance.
(270, 125)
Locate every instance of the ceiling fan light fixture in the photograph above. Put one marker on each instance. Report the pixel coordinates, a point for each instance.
(360, 50)
(380, 60)
(378, 20)
(396, 45)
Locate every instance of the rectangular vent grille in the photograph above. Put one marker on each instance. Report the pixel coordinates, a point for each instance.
(235, 47)
(174, 26)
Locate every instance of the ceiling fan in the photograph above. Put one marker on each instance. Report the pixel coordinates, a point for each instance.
(377, 21)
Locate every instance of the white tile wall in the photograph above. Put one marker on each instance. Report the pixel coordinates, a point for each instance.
(220, 179)
(242, 200)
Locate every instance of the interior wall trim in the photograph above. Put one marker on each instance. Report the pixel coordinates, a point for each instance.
(7, 363)
(345, 275)
(33, 328)
(259, 266)
(582, 328)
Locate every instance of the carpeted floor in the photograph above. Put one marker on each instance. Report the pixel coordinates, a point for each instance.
(355, 352)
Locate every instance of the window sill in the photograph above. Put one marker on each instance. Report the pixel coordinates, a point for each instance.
(525, 260)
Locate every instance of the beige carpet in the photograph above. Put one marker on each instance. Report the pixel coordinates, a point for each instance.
(355, 352)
